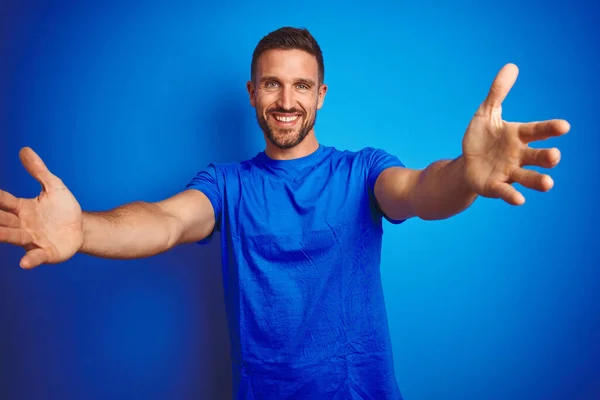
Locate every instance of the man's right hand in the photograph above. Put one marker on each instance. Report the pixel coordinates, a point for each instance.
(50, 226)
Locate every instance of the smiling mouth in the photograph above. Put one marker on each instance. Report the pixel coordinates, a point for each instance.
(285, 120)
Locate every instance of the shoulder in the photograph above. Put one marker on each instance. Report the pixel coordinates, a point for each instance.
(366, 155)
(231, 172)
(371, 153)
(332, 152)
(378, 158)
(231, 167)
(372, 161)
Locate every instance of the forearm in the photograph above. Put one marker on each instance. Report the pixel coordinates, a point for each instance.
(134, 230)
(441, 190)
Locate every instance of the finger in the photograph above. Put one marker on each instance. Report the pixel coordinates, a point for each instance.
(34, 258)
(8, 202)
(9, 220)
(36, 168)
(14, 236)
(545, 158)
(501, 85)
(532, 179)
(532, 131)
(507, 193)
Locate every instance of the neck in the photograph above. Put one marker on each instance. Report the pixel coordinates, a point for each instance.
(308, 146)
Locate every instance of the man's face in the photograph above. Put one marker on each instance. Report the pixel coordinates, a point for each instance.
(286, 95)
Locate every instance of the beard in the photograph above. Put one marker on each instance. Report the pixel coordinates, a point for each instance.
(286, 138)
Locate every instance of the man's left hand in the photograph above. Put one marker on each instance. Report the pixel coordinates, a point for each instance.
(495, 151)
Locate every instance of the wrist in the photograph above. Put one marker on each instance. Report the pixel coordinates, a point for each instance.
(85, 231)
(463, 172)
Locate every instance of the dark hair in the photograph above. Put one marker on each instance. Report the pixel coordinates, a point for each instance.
(288, 38)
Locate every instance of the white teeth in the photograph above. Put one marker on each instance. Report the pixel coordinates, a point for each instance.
(286, 119)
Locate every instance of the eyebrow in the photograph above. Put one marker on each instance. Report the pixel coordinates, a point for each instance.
(310, 82)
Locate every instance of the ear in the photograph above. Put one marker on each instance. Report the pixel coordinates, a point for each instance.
(251, 92)
(322, 93)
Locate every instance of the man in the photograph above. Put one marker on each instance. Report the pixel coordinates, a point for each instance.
(300, 225)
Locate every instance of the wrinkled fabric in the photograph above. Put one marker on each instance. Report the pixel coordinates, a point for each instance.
(301, 246)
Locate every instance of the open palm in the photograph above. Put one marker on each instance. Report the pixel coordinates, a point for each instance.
(496, 151)
(49, 227)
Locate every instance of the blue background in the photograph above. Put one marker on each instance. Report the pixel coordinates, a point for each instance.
(127, 102)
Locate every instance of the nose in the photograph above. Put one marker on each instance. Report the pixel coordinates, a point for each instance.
(286, 98)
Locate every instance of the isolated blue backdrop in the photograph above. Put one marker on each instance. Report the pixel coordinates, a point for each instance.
(127, 102)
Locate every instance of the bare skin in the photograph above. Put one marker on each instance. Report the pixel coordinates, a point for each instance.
(287, 85)
(496, 151)
(52, 227)
(494, 155)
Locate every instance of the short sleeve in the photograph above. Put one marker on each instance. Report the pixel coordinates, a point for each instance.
(207, 181)
(377, 161)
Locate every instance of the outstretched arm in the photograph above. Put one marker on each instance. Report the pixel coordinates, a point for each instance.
(494, 154)
(52, 228)
(142, 229)
(436, 192)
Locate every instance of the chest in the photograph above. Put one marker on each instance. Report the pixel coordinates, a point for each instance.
(298, 205)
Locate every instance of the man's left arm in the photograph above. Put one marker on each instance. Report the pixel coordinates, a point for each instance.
(436, 192)
(494, 154)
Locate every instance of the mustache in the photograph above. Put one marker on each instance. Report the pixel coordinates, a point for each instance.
(282, 111)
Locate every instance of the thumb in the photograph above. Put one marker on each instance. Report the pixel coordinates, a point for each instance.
(34, 258)
(501, 85)
(36, 168)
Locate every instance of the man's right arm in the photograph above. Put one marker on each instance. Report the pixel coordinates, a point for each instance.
(142, 229)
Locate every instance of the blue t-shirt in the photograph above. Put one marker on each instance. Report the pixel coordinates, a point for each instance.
(301, 247)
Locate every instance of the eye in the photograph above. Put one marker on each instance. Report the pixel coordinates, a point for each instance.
(271, 84)
(302, 86)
